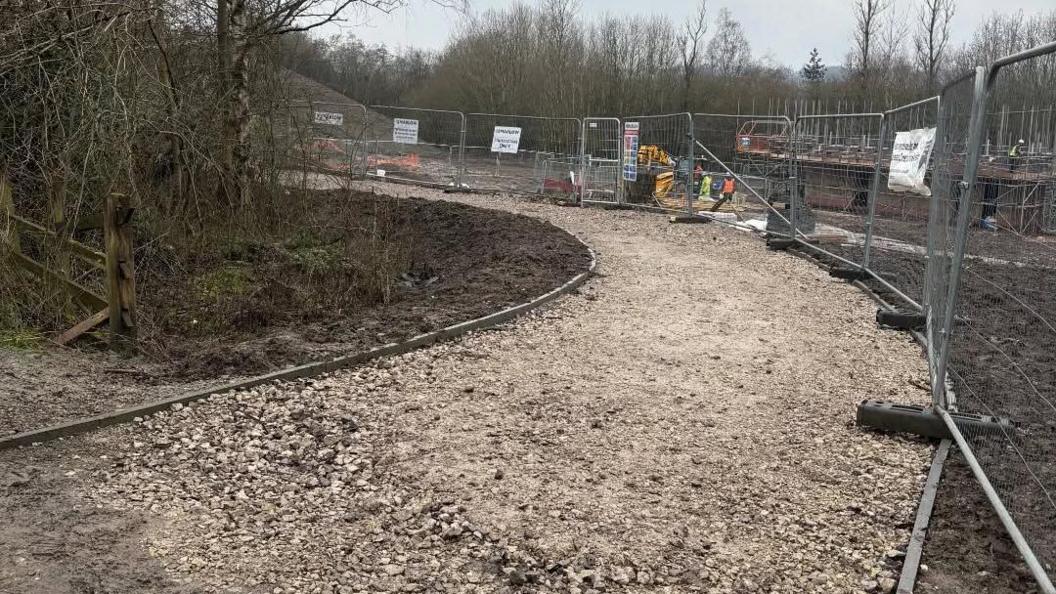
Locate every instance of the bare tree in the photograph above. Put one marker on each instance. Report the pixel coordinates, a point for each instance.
(689, 42)
(867, 24)
(729, 53)
(932, 37)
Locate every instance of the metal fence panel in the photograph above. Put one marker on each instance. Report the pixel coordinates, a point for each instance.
(755, 150)
(837, 160)
(898, 235)
(522, 154)
(663, 173)
(326, 136)
(411, 144)
(999, 354)
(601, 163)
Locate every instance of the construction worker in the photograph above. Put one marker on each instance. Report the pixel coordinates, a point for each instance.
(728, 189)
(705, 187)
(1015, 154)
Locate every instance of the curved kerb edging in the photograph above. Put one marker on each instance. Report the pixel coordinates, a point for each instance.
(125, 415)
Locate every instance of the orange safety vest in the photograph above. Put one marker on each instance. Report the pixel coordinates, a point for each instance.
(727, 186)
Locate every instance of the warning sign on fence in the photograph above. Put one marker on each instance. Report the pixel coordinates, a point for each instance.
(630, 151)
(909, 161)
(329, 118)
(505, 140)
(405, 131)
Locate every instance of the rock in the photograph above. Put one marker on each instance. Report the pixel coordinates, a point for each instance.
(517, 577)
(393, 569)
(887, 585)
(623, 575)
(499, 474)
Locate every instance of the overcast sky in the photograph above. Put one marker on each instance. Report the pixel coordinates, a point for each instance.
(785, 30)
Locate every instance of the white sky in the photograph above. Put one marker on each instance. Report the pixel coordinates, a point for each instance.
(786, 30)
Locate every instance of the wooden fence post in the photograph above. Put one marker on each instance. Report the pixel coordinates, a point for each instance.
(120, 272)
(7, 208)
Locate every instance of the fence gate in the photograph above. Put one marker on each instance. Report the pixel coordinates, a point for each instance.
(522, 154)
(422, 146)
(600, 177)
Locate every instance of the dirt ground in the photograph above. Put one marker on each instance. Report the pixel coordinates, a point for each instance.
(683, 424)
(968, 550)
(464, 262)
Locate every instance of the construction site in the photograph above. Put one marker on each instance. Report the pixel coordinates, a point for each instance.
(800, 343)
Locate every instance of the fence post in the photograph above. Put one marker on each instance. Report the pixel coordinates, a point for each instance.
(7, 207)
(964, 203)
(690, 166)
(793, 194)
(120, 272)
(461, 153)
(874, 193)
(621, 184)
(582, 162)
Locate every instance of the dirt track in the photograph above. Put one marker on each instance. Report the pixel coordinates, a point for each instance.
(683, 424)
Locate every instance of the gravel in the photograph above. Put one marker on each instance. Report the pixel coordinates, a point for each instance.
(682, 424)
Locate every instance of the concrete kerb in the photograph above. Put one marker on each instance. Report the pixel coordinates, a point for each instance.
(124, 415)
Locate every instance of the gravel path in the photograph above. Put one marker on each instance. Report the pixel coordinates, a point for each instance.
(683, 424)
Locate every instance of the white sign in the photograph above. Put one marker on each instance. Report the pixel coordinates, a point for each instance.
(505, 140)
(909, 161)
(405, 131)
(332, 119)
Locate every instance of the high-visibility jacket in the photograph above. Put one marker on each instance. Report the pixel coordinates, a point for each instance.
(728, 186)
(1014, 151)
(705, 185)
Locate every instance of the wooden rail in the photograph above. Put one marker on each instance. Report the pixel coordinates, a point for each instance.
(119, 305)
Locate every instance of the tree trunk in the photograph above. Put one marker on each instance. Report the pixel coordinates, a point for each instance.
(233, 53)
(240, 126)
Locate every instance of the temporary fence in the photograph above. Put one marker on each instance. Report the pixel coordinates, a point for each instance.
(601, 161)
(836, 163)
(660, 171)
(326, 136)
(754, 150)
(522, 154)
(423, 146)
(990, 305)
(898, 228)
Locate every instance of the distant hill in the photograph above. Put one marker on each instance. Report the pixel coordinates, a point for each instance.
(301, 90)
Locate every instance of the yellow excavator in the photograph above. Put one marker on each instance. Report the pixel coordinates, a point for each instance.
(656, 165)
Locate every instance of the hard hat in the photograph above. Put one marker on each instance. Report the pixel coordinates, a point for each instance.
(729, 175)
(1021, 141)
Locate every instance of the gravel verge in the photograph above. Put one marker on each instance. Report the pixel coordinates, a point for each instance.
(685, 423)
